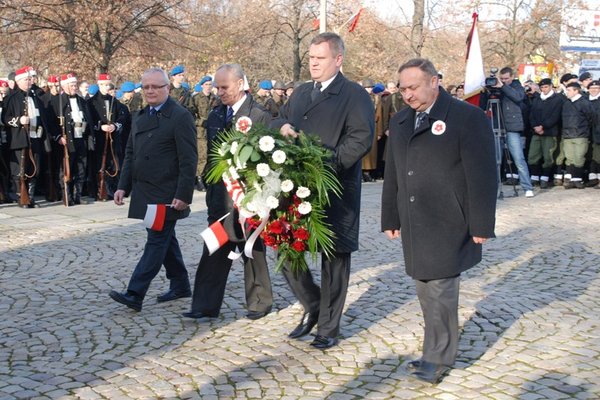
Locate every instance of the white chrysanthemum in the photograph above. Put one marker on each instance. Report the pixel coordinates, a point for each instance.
(251, 206)
(266, 143)
(272, 202)
(287, 185)
(303, 192)
(234, 147)
(279, 156)
(304, 208)
(263, 169)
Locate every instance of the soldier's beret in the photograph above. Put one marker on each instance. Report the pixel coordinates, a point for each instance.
(205, 79)
(567, 77)
(584, 76)
(127, 87)
(545, 81)
(177, 70)
(266, 85)
(594, 83)
(378, 88)
(93, 89)
(138, 85)
(279, 85)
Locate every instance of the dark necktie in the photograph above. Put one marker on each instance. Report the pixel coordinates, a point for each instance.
(316, 91)
(229, 115)
(152, 111)
(420, 119)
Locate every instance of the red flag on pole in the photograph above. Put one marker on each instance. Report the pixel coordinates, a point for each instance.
(474, 74)
(354, 20)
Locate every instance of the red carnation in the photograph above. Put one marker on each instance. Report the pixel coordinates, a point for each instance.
(301, 234)
(298, 246)
(269, 240)
(276, 227)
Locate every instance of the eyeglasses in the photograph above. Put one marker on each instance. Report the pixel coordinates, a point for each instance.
(153, 87)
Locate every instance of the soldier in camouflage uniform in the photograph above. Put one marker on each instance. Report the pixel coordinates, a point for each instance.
(131, 99)
(178, 92)
(202, 103)
(264, 98)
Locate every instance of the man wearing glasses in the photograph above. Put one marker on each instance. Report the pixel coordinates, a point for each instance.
(159, 168)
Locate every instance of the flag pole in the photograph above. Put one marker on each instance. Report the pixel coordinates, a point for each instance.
(323, 17)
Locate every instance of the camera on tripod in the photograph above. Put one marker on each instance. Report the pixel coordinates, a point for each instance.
(491, 82)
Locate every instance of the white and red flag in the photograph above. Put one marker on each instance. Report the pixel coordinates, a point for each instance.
(215, 236)
(155, 216)
(475, 74)
(353, 20)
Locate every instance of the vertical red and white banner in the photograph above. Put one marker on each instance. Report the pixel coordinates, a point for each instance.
(475, 74)
(155, 216)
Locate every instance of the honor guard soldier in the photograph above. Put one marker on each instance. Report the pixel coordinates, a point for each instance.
(178, 92)
(74, 120)
(27, 122)
(264, 97)
(108, 126)
(5, 195)
(131, 99)
(594, 173)
(202, 102)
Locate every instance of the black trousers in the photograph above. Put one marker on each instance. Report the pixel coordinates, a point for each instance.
(439, 303)
(162, 248)
(211, 279)
(327, 301)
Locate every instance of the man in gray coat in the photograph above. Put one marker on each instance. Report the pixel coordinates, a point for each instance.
(159, 168)
(440, 189)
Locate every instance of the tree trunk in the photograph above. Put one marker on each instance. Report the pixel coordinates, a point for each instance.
(416, 36)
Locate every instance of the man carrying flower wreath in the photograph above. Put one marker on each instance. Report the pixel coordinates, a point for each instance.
(213, 270)
(340, 112)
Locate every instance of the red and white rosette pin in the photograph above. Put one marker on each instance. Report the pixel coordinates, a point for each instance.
(438, 127)
(243, 124)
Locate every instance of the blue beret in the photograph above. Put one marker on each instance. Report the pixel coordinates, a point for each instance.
(205, 79)
(93, 89)
(177, 70)
(378, 88)
(119, 94)
(197, 87)
(185, 85)
(266, 85)
(138, 85)
(127, 87)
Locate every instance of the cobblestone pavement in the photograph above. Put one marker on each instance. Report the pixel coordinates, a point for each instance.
(529, 314)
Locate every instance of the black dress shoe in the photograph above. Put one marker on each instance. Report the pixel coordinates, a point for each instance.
(413, 365)
(129, 299)
(324, 342)
(197, 315)
(308, 321)
(430, 372)
(256, 314)
(173, 295)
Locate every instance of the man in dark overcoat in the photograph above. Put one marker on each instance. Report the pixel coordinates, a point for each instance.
(159, 168)
(213, 270)
(440, 190)
(340, 112)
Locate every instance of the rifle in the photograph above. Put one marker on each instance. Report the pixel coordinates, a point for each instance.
(66, 162)
(24, 199)
(102, 195)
